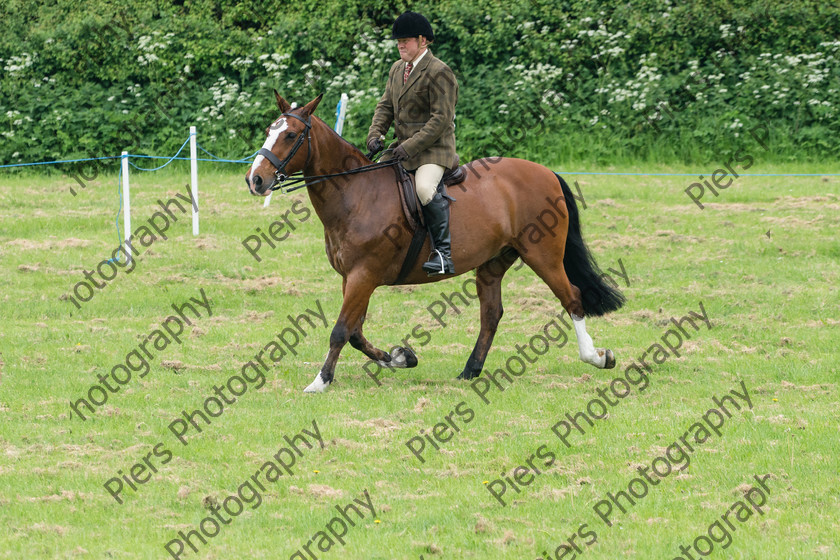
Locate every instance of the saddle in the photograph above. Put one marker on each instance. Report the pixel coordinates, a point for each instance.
(456, 176)
(414, 215)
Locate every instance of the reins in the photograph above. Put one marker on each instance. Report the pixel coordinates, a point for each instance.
(302, 182)
(285, 184)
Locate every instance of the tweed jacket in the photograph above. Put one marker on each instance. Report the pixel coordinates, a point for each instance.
(422, 112)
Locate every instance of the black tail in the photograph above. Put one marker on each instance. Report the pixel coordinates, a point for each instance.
(598, 297)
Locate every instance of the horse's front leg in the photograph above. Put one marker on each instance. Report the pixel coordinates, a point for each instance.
(352, 310)
(357, 292)
(398, 357)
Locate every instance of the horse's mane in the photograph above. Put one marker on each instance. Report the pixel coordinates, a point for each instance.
(352, 147)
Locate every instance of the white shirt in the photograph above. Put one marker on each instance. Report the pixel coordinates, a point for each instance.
(416, 60)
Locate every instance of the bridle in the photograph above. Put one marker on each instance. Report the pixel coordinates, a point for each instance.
(280, 166)
(280, 175)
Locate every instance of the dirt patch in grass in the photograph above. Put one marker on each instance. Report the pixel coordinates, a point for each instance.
(380, 426)
(322, 491)
(278, 283)
(59, 530)
(47, 244)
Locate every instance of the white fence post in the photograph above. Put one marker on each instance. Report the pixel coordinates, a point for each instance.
(341, 113)
(126, 205)
(194, 180)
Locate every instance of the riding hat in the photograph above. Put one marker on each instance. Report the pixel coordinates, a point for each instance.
(412, 24)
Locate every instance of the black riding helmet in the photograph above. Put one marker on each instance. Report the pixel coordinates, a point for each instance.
(412, 24)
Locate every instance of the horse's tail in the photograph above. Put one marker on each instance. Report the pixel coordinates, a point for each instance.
(598, 297)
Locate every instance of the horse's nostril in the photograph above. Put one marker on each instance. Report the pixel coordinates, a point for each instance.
(257, 181)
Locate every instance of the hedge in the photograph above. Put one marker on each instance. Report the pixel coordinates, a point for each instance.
(547, 80)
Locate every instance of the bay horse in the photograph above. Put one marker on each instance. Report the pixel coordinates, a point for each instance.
(493, 222)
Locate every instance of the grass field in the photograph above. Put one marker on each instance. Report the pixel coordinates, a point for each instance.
(763, 258)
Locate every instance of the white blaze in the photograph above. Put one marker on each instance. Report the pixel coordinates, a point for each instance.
(274, 132)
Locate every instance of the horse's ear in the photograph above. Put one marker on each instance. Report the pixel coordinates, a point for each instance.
(310, 107)
(282, 103)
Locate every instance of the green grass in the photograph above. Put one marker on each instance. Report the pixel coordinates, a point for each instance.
(772, 301)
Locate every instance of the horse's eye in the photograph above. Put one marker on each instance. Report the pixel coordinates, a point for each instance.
(290, 135)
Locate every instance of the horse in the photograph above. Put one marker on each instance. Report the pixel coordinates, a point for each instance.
(494, 221)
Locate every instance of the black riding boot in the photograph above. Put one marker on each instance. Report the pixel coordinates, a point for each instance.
(436, 214)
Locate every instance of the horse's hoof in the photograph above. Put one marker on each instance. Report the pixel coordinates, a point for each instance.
(403, 358)
(400, 358)
(609, 362)
(466, 375)
(317, 386)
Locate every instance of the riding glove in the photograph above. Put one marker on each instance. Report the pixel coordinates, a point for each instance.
(375, 145)
(400, 153)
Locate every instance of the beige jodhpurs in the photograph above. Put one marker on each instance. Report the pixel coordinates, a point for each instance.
(427, 178)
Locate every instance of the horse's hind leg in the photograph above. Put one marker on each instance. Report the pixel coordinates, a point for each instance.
(489, 287)
(548, 264)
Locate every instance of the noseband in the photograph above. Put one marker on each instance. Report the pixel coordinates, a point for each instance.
(280, 166)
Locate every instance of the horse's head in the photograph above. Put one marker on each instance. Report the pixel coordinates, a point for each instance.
(286, 149)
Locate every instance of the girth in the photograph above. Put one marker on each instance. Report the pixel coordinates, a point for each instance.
(414, 218)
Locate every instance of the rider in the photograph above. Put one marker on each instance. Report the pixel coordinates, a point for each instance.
(419, 100)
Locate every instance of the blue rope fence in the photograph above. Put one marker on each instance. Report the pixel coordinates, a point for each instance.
(213, 158)
(165, 164)
(169, 160)
(59, 161)
(250, 158)
(216, 159)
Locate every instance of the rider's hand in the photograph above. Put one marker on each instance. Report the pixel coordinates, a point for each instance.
(375, 145)
(400, 153)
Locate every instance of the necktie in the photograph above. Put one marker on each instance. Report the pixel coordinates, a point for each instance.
(408, 68)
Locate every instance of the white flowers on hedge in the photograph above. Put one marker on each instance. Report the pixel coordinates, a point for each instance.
(371, 54)
(16, 64)
(274, 64)
(636, 90)
(145, 59)
(239, 61)
(795, 73)
(228, 101)
(148, 48)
